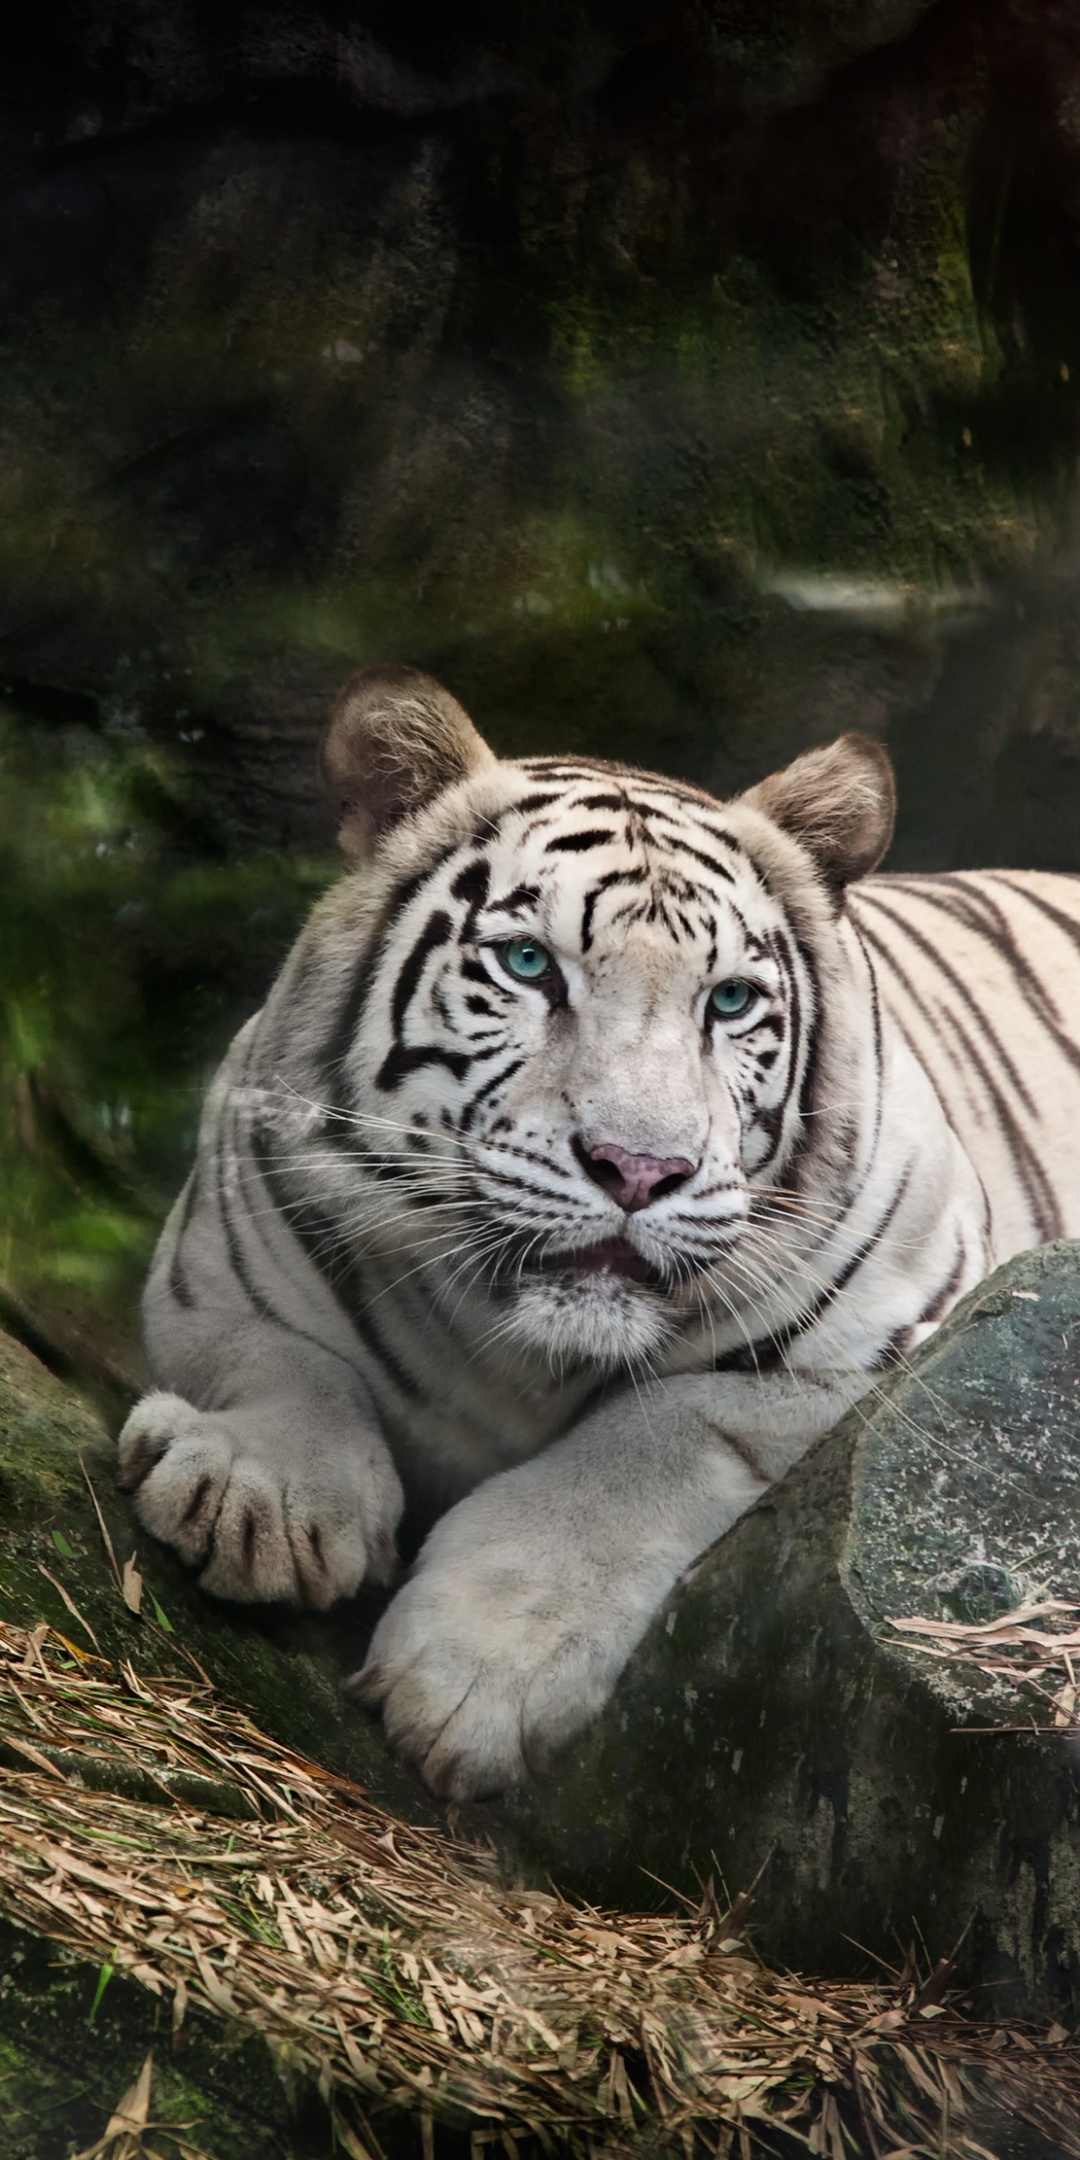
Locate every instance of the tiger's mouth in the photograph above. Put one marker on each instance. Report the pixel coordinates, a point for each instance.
(612, 1256)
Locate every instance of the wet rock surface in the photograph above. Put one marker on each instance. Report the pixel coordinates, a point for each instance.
(774, 1724)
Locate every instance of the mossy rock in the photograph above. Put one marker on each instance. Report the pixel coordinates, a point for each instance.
(70, 2049)
(775, 1723)
(285, 1668)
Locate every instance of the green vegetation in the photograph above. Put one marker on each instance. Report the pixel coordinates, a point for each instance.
(128, 958)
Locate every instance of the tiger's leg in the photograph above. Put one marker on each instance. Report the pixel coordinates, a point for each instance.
(259, 1458)
(530, 1595)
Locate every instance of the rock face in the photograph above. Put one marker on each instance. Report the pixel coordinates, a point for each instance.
(775, 1722)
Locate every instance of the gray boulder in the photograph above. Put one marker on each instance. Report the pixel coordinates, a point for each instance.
(776, 1723)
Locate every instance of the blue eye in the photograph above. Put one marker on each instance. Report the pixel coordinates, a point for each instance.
(527, 959)
(730, 998)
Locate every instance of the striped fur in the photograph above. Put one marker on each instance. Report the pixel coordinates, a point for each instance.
(397, 1278)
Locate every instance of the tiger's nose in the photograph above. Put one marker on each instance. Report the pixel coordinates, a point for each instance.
(633, 1181)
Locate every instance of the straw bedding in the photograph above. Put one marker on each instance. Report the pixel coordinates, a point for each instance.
(391, 1967)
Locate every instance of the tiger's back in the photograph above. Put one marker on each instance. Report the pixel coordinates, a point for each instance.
(980, 970)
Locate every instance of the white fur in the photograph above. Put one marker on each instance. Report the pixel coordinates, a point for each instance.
(348, 1305)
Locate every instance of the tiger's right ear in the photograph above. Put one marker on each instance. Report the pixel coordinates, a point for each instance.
(394, 740)
(839, 803)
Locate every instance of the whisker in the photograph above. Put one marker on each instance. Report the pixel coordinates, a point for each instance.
(464, 1141)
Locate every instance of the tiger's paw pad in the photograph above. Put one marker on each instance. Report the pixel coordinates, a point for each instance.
(257, 1512)
(474, 1699)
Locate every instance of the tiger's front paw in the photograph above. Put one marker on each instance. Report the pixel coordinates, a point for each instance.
(251, 1499)
(481, 1674)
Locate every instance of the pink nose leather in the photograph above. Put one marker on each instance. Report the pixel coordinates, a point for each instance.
(632, 1179)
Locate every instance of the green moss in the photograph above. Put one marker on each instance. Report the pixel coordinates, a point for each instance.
(66, 2064)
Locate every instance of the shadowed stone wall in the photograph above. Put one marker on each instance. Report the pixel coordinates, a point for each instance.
(690, 380)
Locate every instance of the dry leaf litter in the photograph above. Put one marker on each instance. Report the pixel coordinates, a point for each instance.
(1032, 1648)
(386, 1964)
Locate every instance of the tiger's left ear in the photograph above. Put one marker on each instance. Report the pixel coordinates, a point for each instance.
(394, 740)
(838, 803)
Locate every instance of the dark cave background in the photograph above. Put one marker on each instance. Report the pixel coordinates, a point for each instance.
(560, 351)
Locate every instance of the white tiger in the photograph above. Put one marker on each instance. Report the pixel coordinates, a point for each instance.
(594, 1149)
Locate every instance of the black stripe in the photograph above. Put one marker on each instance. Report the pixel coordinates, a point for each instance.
(471, 884)
(970, 907)
(603, 885)
(436, 932)
(226, 1140)
(945, 968)
(875, 1014)
(578, 843)
(399, 1062)
(768, 1352)
(522, 896)
(771, 1120)
(917, 1004)
(805, 1040)
(578, 768)
(768, 1118)
(812, 1059)
(495, 1080)
(709, 862)
(314, 1233)
(1065, 923)
(260, 1304)
(351, 1010)
(557, 768)
(941, 1303)
(884, 951)
(1037, 1192)
(946, 1294)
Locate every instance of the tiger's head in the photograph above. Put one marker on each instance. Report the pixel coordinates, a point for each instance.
(581, 1015)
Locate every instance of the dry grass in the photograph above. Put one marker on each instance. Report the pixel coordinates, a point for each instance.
(1035, 1649)
(387, 1964)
